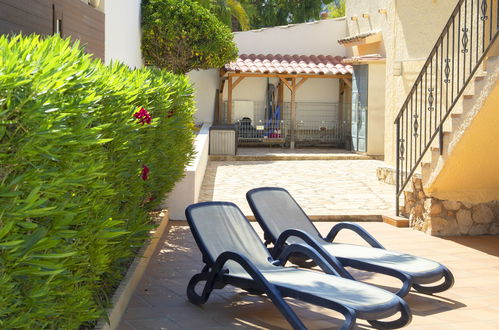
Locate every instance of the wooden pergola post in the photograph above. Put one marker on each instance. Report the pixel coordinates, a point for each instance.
(219, 112)
(232, 84)
(293, 113)
(229, 102)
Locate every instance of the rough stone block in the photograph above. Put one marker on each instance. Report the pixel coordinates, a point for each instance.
(479, 229)
(408, 196)
(433, 206)
(482, 214)
(417, 210)
(408, 207)
(421, 195)
(464, 220)
(467, 205)
(495, 208)
(443, 227)
(452, 205)
(494, 229)
(417, 183)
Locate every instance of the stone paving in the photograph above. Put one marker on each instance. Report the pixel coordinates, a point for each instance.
(277, 150)
(321, 187)
(159, 301)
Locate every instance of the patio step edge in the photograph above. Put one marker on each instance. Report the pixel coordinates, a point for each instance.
(395, 221)
(290, 157)
(123, 294)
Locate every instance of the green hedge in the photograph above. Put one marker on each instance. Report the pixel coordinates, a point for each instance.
(73, 200)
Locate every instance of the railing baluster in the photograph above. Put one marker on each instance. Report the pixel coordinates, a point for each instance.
(471, 36)
(465, 39)
(490, 18)
(413, 141)
(420, 116)
(458, 48)
(453, 57)
(425, 112)
(441, 76)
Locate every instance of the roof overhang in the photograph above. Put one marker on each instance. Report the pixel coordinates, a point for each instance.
(366, 38)
(288, 66)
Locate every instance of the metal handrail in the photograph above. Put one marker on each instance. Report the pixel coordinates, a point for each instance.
(459, 51)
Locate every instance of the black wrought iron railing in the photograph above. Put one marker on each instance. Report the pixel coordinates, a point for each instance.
(457, 55)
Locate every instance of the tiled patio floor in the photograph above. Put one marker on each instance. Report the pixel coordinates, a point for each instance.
(322, 187)
(160, 301)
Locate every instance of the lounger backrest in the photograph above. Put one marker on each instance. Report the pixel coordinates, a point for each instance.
(276, 211)
(221, 226)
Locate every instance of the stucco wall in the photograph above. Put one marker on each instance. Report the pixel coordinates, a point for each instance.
(123, 34)
(313, 38)
(205, 84)
(313, 90)
(376, 110)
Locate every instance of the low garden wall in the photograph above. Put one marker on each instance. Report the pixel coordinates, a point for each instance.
(187, 190)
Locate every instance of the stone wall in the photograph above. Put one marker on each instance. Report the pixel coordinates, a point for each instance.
(446, 218)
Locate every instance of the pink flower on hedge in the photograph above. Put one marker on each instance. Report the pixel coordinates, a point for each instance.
(143, 116)
(145, 172)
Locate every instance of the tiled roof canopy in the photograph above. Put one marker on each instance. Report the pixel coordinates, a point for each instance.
(290, 64)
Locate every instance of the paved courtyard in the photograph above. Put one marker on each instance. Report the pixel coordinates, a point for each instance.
(159, 301)
(321, 187)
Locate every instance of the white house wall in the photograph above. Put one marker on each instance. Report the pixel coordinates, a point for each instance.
(376, 110)
(205, 84)
(315, 38)
(123, 33)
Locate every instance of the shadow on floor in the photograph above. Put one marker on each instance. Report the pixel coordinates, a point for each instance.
(487, 243)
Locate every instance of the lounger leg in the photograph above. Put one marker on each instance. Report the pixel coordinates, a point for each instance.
(195, 298)
(350, 319)
(447, 284)
(405, 318)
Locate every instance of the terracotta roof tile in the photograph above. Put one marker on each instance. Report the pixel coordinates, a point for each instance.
(289, 64)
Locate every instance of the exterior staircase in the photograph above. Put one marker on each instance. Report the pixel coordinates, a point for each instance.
(461, 120)
(449, 107)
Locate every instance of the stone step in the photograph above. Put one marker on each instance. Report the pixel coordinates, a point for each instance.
(393, 220)
(456, 119)
(276, 157)
(426, 170)
(435, 156)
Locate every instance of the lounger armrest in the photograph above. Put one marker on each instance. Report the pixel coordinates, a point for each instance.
(330, 259)
(355, 228)
(244, 262)
(289, 250)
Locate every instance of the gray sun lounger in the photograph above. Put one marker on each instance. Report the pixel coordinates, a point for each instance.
(279, 215)
(234, 255)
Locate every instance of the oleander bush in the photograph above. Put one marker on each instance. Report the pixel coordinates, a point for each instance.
(86, 151)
